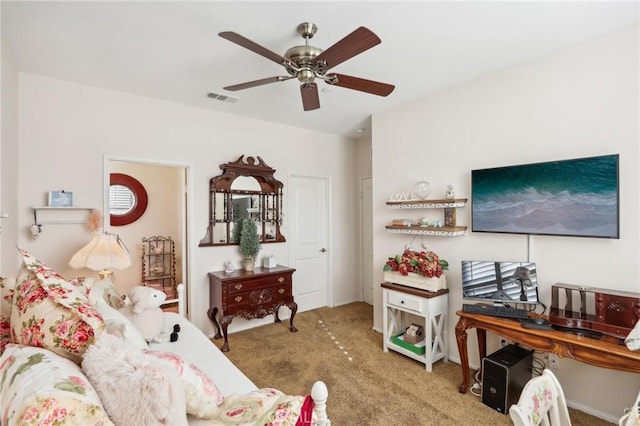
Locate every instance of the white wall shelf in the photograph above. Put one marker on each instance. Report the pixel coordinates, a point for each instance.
(37, 209)
(427, 204)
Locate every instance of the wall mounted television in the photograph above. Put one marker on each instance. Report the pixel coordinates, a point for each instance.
(576, 198)
(500, 282)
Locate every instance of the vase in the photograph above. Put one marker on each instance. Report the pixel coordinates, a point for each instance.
(249, 264)
(423, 189)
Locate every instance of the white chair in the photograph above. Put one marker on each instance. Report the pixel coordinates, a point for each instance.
(632, 416)
(541, 403)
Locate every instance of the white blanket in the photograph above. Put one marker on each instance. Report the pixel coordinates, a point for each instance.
(194, 346)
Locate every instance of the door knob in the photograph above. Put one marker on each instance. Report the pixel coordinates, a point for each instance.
(323, 250)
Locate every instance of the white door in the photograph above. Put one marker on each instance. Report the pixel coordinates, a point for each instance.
(308, 230)
(366, 220)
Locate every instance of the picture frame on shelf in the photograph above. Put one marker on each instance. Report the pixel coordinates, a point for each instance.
(60, 199)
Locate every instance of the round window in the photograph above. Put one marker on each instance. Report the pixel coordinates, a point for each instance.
(127, 199)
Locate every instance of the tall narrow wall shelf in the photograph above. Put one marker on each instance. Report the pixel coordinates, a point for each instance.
(448, 230)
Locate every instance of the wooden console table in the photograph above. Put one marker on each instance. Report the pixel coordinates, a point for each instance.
(601, 353)
(250, 295)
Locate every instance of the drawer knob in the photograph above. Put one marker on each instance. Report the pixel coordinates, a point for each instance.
(281, 290)
(238, 286)
(402, 302)
(281, 280)
(238, 298)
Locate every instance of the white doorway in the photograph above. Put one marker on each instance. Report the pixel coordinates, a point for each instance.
(167, 215)
(308, 241)
(366, 223)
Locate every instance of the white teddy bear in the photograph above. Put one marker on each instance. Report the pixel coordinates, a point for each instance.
(146, 315)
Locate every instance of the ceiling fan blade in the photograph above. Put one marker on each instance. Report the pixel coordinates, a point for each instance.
(356, 83)
(255, 83)
(351, 45)
(252, 46)
(310, 99)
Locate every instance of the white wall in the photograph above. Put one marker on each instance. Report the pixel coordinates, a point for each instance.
(8, 162)
(66, 129)
(578, 102)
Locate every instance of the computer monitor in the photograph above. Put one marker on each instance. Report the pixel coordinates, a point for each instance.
(499, 282)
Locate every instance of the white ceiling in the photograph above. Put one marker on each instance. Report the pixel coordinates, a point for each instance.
(172, 51)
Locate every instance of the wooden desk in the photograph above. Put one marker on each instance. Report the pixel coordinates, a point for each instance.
(250, 295)
(591, 351)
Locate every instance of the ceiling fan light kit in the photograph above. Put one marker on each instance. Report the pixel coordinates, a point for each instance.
(308, 63)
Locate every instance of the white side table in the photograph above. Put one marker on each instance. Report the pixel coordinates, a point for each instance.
(431, 306)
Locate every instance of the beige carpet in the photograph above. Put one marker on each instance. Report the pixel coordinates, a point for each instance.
(366, 385)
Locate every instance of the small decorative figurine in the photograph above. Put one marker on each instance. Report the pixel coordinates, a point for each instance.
(228, 267)
(449, 194)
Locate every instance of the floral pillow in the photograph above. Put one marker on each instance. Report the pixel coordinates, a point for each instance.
(6, 301)
(39, 387)
(103, 289)
(52, 313)
(203, 396)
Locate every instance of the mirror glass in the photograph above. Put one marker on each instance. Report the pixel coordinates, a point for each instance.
(245, 183)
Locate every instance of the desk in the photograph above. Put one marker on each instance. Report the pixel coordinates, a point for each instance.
(600, 353)
(250, 295)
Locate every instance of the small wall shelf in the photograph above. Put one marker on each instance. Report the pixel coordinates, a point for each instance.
(444, 231)
(427, 204)
(448, 230)
(36, 209)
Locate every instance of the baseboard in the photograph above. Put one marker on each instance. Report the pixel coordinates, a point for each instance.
(596, 413)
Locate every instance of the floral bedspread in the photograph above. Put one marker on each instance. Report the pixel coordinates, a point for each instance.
(265, 407)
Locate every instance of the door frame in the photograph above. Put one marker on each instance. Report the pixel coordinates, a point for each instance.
(362, 240)
(328, 227)
(186, 211)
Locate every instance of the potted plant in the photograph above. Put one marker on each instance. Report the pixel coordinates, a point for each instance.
(249, 243)
(420, 269)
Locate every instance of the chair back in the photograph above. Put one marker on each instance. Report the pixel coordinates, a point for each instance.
(631, 416)
(541, 403)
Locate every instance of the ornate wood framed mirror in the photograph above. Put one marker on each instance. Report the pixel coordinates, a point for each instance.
(245, 189)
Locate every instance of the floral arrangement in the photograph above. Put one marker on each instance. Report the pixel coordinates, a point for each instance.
(425, 263)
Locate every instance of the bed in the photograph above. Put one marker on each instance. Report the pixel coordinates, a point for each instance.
(44, 320)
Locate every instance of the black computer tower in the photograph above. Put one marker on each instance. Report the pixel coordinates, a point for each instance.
(504, 374)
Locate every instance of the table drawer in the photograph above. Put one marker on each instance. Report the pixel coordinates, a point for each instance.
(406, 301)
(258, 283)
(273, 295)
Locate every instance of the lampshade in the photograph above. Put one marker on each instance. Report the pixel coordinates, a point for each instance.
(103, 253)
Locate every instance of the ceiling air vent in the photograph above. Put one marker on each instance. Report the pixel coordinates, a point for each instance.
(220, 97)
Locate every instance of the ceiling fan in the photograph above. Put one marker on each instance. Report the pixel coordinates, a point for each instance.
(308, 63)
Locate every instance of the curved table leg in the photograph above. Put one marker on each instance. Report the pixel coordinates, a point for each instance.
(294, 308)
(226, 320)
(212, 313)
(461, 338)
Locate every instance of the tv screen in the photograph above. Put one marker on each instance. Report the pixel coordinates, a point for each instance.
(499, 282)
(577, 197)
